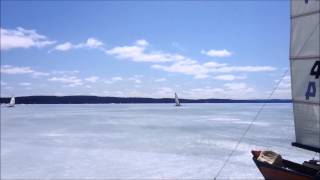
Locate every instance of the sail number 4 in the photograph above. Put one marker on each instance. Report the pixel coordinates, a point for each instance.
(312, 89)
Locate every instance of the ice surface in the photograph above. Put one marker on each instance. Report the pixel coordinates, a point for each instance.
(141, 141)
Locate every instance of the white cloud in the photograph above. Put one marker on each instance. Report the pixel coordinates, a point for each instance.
(108, 81)
(213, 64)
(70, 80)
(160, 80)
(235, 86)
(226, 91)
(136, 79)
(217, 53)
(8, 69)
(228, 69)
(113, 80)
(36, 74)
(22, 38)
(201, 76)
(24, 84)
(285, 83)
(65, 72)
(284, 88)
(117, 78)
(179, 63)
(200, 71)
(185, 66)
(142, 42)
(92, 79)
(64, 47)
(137, 53)
(239, 91)
(114, 93)
(91, 43)
(162, 92)
(228, 77)
(201, 93)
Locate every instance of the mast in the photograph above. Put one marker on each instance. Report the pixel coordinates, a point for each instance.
(305, 72)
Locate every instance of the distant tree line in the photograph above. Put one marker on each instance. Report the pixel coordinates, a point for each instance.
(119, 100)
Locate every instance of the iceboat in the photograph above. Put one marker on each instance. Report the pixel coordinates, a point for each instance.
(176, 99)
(12, 102)
(305, 85)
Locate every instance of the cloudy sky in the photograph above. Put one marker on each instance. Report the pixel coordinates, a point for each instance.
(148, 49)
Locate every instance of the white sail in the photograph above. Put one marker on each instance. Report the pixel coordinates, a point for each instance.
(305, 71)
(12, 101)
(176, 99)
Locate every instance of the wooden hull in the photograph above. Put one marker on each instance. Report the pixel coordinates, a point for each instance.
(289, 170)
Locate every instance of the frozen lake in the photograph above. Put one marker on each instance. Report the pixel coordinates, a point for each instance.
(149, 141)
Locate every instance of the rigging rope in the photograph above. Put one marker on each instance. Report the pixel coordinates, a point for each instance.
(252, 121)
(315, 154)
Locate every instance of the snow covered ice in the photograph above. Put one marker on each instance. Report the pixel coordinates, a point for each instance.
(141, 140)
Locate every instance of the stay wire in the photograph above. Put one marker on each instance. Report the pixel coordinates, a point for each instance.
(252, 121)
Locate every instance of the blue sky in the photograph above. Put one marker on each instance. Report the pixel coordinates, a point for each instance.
(219, 49)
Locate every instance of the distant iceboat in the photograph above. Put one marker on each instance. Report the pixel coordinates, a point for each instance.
(176, 99)
(12, 102)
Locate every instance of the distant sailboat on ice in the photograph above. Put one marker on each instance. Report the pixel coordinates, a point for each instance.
(176, 99)
(12, 102)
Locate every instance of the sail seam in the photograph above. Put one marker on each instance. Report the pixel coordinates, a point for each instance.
(304, 102)
(304, 57)
(305, 14)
